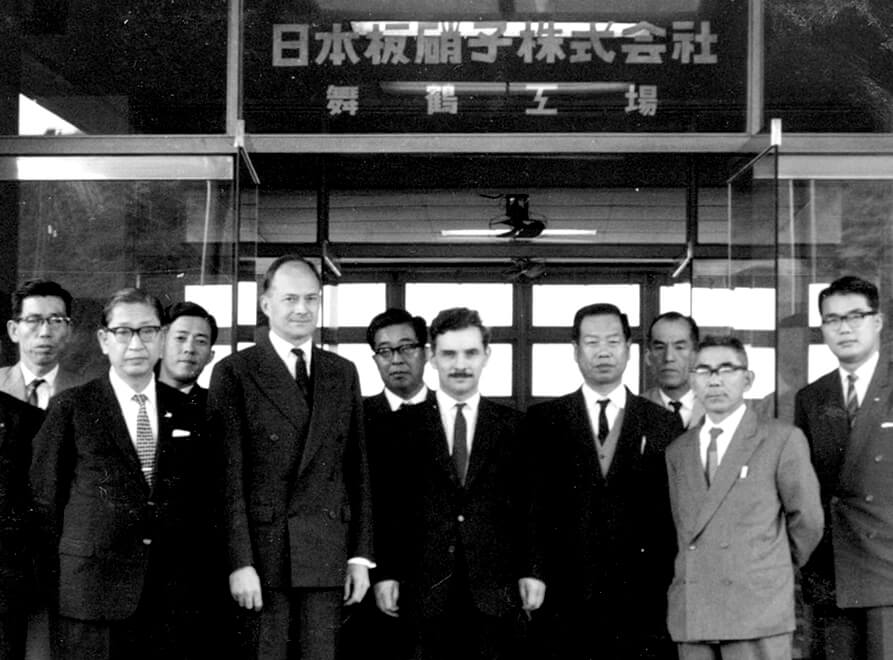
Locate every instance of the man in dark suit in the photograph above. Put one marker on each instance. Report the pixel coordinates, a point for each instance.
(189, 338)
(41, 327)
(18, 424)
(745, 500)
(120, 499)
(847, 416)
(454, 554)
(671, 344)
(297, 505)
(603, 501)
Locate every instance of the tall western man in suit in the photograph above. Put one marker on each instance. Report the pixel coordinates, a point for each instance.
(121, 499)
(41, 327)
(189, 338)
(603, 500)
(847, 416)
(297, 505)
(671, 344)
(746, 505)
(18, 424)
(454, 554)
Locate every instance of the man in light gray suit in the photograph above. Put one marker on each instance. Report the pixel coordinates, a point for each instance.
(671, 345)
(41, 326)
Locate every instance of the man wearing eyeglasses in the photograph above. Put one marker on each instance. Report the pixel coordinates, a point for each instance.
(41, 327)
(120, 492)
(847, 416)
(745, 503)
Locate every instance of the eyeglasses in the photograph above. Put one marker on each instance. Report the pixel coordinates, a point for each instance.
(723, 370)
(124, 335)
(54, 321)
(853, 319)
(405, 350)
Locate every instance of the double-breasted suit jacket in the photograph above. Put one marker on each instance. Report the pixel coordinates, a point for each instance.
(610, 537)
(854, 563)
(297, 501)
(100, 522)
(734, 577)
(426, 516)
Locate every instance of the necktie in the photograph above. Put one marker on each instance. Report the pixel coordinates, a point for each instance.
(677, 409)
(460, 444)
(602, 420)
(301, 376)
(31, 391)
(852, 401)
(712, 458)
(145, 443)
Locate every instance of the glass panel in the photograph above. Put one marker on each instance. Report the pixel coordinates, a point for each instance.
(361, 356)
(218, 300)
(353, 304)
(742, 308)
(556, 304)
(555, 371)
(828, 66)
(676, 298)
(373, 66)
(112, 67)
(492, 301)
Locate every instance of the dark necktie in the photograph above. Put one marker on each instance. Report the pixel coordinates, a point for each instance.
(677, 409)
(31, 391)
(603, 420)
(712, 456)
(145, 443)
(301, 377)
(460, 444)
(852, 401)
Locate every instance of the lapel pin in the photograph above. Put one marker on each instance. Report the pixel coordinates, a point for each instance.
(642, 448)
(743, 474)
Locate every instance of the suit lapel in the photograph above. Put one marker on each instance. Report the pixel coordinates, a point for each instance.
(325, 385)
(13, 382)
(485, 431)
(273, 379)
(693, 470)
(581, 431)
(116, 429)
(437, 446)
(871, 414)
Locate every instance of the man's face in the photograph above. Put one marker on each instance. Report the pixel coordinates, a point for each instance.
(670, 354)
(292, 302)
(132, 360)
(851, 345)
(402, 372)
(41, 343)
(601, 351)
(459, 357)
(721, 393)
(187, 350)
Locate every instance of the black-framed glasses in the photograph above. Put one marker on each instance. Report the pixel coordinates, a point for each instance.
(123, 334)
(853, 319)
(405, 351)
(723, 370)
(53, 321)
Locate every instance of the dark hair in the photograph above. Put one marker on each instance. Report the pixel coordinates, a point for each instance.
(286, 259)
(600, 309)
(42, 288)
(394, 316)
(131, 296)
(458, 318)
(724, 341)
(187, 308)
(850, 284)
(693, 330)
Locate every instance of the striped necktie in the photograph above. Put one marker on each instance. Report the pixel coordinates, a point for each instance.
(31, 391)
(852, 401)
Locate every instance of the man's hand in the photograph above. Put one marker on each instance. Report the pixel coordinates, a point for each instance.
(356, 584)
(244, 585)
(386, 594)
(533, 592)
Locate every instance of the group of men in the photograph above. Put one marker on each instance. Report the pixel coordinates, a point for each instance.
(435, 524)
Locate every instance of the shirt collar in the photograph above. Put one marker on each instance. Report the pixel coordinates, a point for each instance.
(446, 402)
(283, 348)
(124, 392)
(617, 396)
(863, 373)
(729, 425)
(687, 400)
(395, 401)
(49, 377)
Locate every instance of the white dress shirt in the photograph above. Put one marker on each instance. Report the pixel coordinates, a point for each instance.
(617, 398)
(863, 378)
(284, 348)
(729, 425)
(688, 405)
(447, 406)
(130, 408)
(395, 401)
(46, 389)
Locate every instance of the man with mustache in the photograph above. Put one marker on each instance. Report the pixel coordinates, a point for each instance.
(189, 339)
(603, 502)
(454, 556)
(671, 343)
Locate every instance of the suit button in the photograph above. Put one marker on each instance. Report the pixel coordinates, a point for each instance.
(274, 437)
(878, 458)
(691, 547)
(150, 503)
(460, 518)
(451, 549)
(331, 514)
(869, 498)
(147, 541)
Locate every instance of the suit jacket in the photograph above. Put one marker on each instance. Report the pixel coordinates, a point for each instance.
(734, 578)
(297, 502)
(101, 525)
(697, 414)
(18, 424)
(13, 382)
(853, 566)
(610, 538)
(428, 519)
